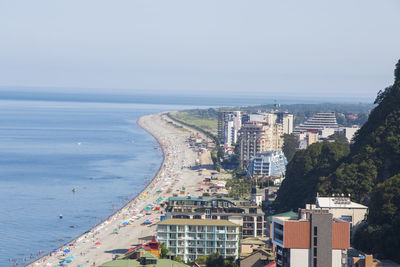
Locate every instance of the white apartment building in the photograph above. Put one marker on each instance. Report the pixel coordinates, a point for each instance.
(233, 122)
(192, 238)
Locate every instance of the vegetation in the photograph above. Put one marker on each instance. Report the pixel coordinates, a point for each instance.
(206, 119)
(339, 137)
(239, 185)
(306, 172)
(369, 171)
(290, 144)
(216, 260)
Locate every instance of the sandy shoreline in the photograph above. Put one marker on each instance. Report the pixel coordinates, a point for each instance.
(103, 241)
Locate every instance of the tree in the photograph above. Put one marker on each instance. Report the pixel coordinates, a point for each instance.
(339, 137)
(164, 251)
(290, 145)
(306, 174)
(215, 260)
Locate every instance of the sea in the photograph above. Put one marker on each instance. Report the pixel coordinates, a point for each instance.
(51, 144)
(48, 149)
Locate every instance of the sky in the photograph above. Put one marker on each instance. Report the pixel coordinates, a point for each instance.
(308, 48)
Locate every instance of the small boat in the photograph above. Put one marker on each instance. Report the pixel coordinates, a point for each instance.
(60, 216)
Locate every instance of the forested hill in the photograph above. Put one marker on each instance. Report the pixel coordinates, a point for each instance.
(370, 172)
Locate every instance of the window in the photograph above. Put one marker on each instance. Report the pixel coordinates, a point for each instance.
(315, 230)
(315, 241)
(315, 252)
(315, 262)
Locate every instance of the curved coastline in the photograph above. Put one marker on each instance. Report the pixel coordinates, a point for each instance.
(146, 188)
(104, 241)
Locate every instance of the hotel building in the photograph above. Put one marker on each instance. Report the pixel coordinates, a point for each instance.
(193, 238)
(242, 212)
(313, 239)
(257, 137)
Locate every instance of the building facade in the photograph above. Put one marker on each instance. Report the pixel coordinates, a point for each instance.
(242, 212)
(314, 239)
(229, 123)
(269, 163)
(342, 208)
(192, 238)
(233, 122)
(258, 137)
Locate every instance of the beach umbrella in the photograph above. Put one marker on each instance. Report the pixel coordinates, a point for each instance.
(147, 222)
(97, 243)
(81, 265)
(116, 229)
(159, 191)
(66, 250)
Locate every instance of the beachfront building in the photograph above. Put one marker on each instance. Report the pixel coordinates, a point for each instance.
(229, 123)
(243, 212)
(192, 238)
(312, 239)
(257, 137)
(268, 164)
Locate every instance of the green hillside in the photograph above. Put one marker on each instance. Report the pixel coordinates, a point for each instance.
(370, 172)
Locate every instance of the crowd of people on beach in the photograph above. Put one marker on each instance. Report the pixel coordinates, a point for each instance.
(136, 210)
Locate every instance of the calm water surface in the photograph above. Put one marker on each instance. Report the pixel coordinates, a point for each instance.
(49, 148)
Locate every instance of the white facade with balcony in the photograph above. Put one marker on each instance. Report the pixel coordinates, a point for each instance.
(192, 238)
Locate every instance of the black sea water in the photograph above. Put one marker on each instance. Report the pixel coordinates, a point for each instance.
(49, 148)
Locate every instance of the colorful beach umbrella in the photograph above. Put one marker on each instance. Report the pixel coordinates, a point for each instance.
(66, 250)
(97, 243)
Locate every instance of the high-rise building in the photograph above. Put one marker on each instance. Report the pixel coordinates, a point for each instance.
(257, 137)
(233, 122)
(229, 123)
(193, 238)
(287, 122)
(313, 239)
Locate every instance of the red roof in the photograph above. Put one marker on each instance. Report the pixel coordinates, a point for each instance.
(271, 264)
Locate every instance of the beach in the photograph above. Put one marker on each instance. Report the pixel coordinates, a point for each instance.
(123, 229)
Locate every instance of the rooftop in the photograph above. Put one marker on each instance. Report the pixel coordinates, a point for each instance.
(197, 222)
(337, 202)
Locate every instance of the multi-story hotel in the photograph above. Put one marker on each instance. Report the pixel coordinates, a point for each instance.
(318, 122)
(269, 163)
(229, 123)
(243, 212)
(193, 238)
(257, 137)
(313, 239)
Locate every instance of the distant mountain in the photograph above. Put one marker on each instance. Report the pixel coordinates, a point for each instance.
(370, 172)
